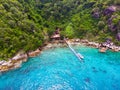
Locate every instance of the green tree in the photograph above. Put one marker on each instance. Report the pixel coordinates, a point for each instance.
(69, 31)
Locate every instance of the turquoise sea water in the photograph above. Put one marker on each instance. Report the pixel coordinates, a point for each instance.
(59, 69)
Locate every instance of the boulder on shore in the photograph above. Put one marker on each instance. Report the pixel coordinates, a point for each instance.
(103, 49)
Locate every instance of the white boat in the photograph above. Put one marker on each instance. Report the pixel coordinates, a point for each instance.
(79, 56)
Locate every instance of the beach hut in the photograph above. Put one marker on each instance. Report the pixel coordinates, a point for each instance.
(56, 34)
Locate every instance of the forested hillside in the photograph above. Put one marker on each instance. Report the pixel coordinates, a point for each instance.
(26, 24)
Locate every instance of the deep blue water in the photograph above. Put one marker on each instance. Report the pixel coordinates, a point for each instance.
(59, 69)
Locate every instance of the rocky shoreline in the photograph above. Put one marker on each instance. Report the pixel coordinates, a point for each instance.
(16, 61)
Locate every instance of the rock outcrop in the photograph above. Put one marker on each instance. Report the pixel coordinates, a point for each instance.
(16, 61)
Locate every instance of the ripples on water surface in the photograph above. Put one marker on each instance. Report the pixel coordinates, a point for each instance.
(59, 69)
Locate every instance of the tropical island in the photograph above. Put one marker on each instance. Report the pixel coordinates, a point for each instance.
(29, 27)
(26, 25)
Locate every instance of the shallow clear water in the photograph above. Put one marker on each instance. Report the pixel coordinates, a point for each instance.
(59, 69)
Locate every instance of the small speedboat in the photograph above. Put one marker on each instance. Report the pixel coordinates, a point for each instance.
(80, 56)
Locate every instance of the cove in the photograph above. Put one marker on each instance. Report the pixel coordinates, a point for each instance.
(59, 69)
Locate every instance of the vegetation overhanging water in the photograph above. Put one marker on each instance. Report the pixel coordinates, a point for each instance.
(27, 24)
